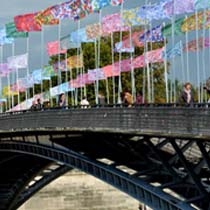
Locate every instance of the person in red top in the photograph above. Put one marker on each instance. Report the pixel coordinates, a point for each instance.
(139, 98)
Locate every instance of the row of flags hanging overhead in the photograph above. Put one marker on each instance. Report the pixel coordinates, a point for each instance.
(115, 22)
(77, 9)
(109, 24)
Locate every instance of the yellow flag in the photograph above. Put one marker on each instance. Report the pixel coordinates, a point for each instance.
(75, 61)
(8, 92)
(194, 22)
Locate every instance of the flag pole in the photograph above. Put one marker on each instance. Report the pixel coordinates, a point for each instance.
(187, 54)
(165, 71)
(203, 58)
(113, 78)
(197, 55)
(120, 58)
(133, 88)
(12, 79)
(42, 54)
(66, 79)
(27, 68)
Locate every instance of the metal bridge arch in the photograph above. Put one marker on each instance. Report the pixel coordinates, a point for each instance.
(182, 129)
(138, 189)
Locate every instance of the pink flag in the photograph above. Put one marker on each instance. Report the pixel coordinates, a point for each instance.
(110, 71)
(53, 48)
(83, 79)
(130, 41)
(75, 83)
(154, 56)
(112, 23)
(27, 23)
(96, 74)
(139, 62)
(4, 69)
(123, 65)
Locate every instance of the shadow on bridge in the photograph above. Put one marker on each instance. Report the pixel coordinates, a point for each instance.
(158, 155)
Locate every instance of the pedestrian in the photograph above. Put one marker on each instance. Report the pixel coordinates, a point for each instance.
(186, 96)
(139, 98)
(84, 103)
(39, 105)
(33, 106)
(127, 99)
(62, 101)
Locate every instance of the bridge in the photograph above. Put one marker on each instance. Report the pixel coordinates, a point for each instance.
(158, 154)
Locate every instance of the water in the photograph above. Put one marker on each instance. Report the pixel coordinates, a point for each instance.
(79, 191)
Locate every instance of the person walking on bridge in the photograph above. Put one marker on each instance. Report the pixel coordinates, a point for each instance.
(186, 96)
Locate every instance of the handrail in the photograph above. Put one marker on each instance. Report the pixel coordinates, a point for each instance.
(183, 122)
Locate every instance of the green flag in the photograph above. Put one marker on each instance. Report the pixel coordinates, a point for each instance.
(48, 71)
(11, 31)
(176, 27)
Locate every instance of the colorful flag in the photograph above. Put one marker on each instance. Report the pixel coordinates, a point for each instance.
(46, 17)
(99, 4)
(79, 36)
(96, 74)
(18, 61)
(154, 56)
(196, 21)
(75, 61)
(62, 65)
(38, 77)
(83, 79)
(93, 31)
(175, 28)
(152, 12)
(11, 31)
(176, 7)
(139, 62)
(120, 48)
(62, 88)
(48, 71)
(66, 43)
(116, 2)
(131, 40)
(74, 83)
(4, 69)
(153, 35)
(176, 50)
(131, 17)
(123, 65)
(3, 37)
(197, 44)
(53, 48)
(27, 23)
(6, 91)
(112, 23)
(111, 71)
(74, 9)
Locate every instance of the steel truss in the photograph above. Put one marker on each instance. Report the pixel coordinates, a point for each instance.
(139, 185)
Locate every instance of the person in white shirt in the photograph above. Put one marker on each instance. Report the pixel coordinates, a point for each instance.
(84, 103)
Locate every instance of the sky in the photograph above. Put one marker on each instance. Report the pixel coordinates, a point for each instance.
(190, 68)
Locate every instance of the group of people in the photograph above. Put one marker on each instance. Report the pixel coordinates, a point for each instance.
(186, 98)
(127, 98)
(36, 105)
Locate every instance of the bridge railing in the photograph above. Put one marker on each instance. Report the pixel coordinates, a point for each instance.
(148, 119)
